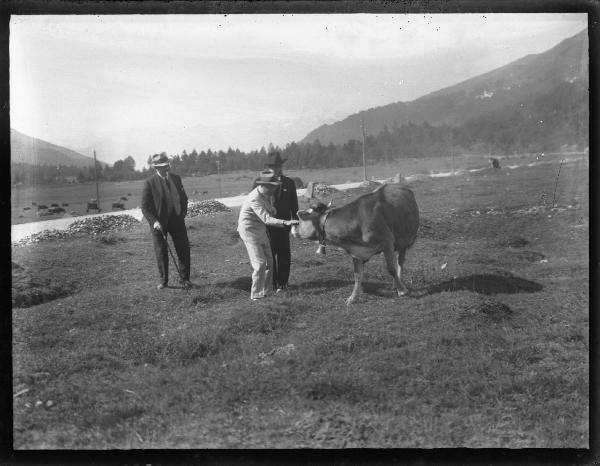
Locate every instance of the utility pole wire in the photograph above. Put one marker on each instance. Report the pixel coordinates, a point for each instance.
(362, 127)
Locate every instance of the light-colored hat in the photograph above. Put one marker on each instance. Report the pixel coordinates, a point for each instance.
(267, 177)
(160, 160)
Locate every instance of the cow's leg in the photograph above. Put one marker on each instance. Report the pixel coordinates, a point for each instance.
(394, 268)
(401, 256)
(359, 266)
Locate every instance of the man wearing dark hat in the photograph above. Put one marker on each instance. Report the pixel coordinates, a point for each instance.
(286, 208)
(164, 204)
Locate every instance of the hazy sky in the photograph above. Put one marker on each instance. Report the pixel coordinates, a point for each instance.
(74, 79)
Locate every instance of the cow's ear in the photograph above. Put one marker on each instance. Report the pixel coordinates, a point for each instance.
(304, 215)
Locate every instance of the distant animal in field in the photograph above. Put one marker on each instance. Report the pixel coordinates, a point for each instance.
(118, 205)
(124, 198)
(65, 204)
(26, 208)
(385, 220)
(298, 182)
(129, 194)
(204, 192)
(42, 207)
(53, 205)
(34, 203)
(494, 163)
(56, 210)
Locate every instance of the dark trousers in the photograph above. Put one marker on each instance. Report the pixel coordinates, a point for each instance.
(282, 257)
(178, 232)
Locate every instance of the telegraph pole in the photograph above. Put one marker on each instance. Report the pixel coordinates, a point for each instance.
(362, 127)
(219, 175)
(96, 179)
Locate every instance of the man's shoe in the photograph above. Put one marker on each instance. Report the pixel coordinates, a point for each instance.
(160, 286)
(187, 284)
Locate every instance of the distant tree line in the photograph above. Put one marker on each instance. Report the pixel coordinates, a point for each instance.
(543, 125)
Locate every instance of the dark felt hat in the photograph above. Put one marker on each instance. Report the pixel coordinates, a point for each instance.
(274, 159)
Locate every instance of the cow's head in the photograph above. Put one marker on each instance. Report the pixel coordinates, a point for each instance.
(309, 226)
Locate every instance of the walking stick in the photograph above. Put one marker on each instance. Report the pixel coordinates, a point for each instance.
(171, 253)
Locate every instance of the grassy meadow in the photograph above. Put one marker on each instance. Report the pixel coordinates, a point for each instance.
(490, 349)
(207, 187)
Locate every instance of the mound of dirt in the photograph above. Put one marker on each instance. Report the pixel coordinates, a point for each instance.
(323, 189)
(92, 226)
(207, 207)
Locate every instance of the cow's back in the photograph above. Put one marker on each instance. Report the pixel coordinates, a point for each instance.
(399, 208)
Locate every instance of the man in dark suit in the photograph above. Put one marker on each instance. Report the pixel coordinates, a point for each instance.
(286, 205)
(164, 204)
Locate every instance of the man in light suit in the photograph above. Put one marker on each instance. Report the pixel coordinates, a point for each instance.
(286, 208)
(164, 204)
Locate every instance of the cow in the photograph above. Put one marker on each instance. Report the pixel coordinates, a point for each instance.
(42, 207)
(54, 204)
(123, 198)
(385, 220)
(298, 182)
(56, 210)
(494, 163)
(118, 205)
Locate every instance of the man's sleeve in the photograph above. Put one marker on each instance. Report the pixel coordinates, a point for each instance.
(262, 213)
(183, 197)
(294, 201)
(148, 208)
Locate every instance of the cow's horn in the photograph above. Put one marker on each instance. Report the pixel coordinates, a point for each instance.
(330, 204)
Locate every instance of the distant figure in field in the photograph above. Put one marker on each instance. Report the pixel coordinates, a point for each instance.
(164, 204)
(494, 163)
(286, 208)
(256, 215)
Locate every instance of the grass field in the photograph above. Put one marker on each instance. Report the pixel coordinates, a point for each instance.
(490, 349)
(207, 187)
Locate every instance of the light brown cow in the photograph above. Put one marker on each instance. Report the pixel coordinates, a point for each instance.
(385, 220)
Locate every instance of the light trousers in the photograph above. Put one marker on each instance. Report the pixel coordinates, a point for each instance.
(261, 260)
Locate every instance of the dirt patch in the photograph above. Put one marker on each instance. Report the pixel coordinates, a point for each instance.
(514, 242)
(491, 309)
(28, 291)
(528, 256)
(488, 284)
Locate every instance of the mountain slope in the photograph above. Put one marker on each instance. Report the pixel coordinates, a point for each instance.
(33, 151)
(526, 79)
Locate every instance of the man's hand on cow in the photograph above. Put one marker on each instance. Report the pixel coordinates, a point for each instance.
(157, 226)
(289, 223)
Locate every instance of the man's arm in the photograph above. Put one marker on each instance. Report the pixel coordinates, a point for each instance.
(148, 207)
(183, 197)
(294, 201)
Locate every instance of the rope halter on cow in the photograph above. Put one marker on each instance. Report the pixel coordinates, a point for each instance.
(321, 232)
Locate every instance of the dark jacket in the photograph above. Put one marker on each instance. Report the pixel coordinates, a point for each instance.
(286, 199)
(154, 202)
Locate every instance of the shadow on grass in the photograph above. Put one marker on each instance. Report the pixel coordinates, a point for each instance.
(488, 284)
(240, 283)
